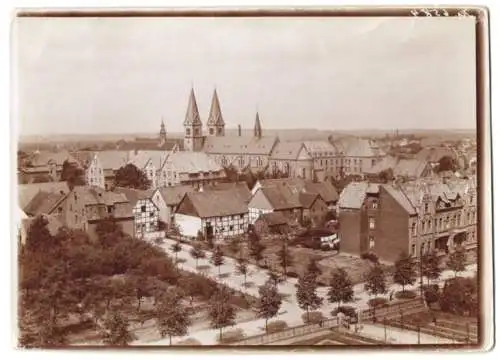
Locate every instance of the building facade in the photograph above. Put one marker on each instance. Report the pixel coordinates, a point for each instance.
(146, 213)
(412, 218)
(217, 214)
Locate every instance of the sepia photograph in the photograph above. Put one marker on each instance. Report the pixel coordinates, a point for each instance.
(257, 179)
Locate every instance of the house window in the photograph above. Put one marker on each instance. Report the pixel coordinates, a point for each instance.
(374, 162)
(413, 250)
(423, 226)
(374, 204)
(143, 208)
(188, 131)
(231, 227)
(459, 219)
(110, 209)
(241, 216)
(303, 172)
(414, 228)
(151, 213)
(426, 208)
(241, 226)
(372, 242)
(371, 223)
(211, 131)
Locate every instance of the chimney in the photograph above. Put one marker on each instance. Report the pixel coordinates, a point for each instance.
(239, 130)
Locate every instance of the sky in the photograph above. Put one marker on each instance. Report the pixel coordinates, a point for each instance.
(123, 75)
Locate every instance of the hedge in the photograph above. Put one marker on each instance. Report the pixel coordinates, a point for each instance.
(314, 317)
(377, 302)
(231, 336)
(407, 294)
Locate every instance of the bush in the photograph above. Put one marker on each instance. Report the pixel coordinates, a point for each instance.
(370, 256)
(292, 274)
(349, 311)
(314, 317)
(459, 296)
(276, 326)
(231, 336)
(189, 342)
(264, 266)
(407, 294)
(377, 302)
(431, 293)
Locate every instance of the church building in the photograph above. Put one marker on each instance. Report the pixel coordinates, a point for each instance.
(242, 152)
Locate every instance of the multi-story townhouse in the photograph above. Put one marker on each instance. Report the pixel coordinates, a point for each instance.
(102, 168)
(151, 163)
(26, 192)
(291, 159)
(217, 214)
(146, 213)
(356, 155)
(189, 168)
(84, 207)
(411, 218)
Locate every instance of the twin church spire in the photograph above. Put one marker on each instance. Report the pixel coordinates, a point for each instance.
(215, 122)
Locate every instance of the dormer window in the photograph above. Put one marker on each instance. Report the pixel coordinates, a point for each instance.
(188, 131)
(426, 208)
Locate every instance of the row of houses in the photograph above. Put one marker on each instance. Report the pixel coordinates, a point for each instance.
(412, 218)
(216, 210)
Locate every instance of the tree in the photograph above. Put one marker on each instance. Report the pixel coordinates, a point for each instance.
(341, 287)
(116, 331)
(221, 312)
(269, 301)
(130, 176)
(313, 269)
(430, 266)
(375, 282)
(217, 257)
(197, 253)
(256, 247)
(274, 277)
(459, 296)
(306, 294)
(447, 163)
(176, 248)
(242, 268)
(72, 174)
(285, 257)
(456, 260)
(404, 271)
(172, 317)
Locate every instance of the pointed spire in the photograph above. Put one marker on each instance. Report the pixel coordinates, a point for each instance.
(215, 116)
(257, 130)
(192, 113)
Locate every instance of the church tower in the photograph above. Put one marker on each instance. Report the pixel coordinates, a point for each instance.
(257, 129)
(193, 137)
(215, 121)
(163, 133)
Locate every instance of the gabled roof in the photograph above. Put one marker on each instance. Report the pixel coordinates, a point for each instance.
(192, 162)
(401, 197)
(215, 115)
(288, 150)
(320, 148)
(93, 195)
(280, 199)
(325, 189)
(113, 159)
(217, 203)
(42, 158)
(26, 192)
(307, 199)
(273, 218)
(134, 195)
(244, 193)
(44, 203)
(353, 195)
(143, 157)
(239, 145)
(358, 147)
(192, 113)
(172, 195)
